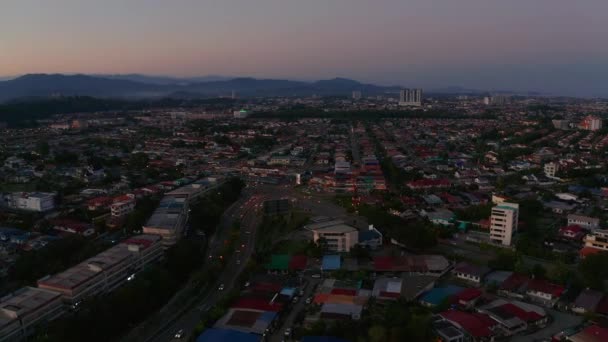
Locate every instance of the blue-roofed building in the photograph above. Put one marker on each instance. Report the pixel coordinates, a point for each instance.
(220, 335)
(370, 238)
(331, 263)
(14, 235)
(437, 295)
(288, 291)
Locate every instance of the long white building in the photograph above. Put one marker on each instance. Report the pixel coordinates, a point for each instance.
(105, 271)
(32, 201)
(23, 310)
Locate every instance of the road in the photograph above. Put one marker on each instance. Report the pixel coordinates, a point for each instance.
(160, 326)
(279, 334)
(248, 213)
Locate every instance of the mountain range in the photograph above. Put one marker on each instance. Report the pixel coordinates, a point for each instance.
(143, 86)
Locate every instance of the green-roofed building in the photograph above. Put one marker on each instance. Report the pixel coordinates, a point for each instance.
(278, 262)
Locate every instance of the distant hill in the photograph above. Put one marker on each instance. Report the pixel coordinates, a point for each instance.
(43, 85)
(164, 80)
(141, 86)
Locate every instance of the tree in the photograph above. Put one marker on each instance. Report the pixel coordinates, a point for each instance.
(138, 161)
(504, 260)
(377, 333)
(42, 147)
(538, 271)
(594, 271)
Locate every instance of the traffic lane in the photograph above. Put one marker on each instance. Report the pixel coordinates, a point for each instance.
(188, 322)
(279, 334)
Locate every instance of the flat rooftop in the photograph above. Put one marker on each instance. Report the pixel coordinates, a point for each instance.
(90, 268)
(24, 301)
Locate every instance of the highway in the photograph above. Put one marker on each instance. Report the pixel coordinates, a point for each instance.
(247, 212)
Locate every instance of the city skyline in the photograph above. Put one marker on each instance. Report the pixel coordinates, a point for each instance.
(547, 46)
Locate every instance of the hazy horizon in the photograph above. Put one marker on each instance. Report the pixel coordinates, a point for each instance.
(550, 46)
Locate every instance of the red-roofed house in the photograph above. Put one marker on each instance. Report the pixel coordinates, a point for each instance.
(298, 262)
(421, 184)
(592, 333)
(73, 227)
(479, 326)
(514, 286)
(543, 291)
(257, 304)
(99, 203)
(586, 251)
(467, 297)
(572, 232)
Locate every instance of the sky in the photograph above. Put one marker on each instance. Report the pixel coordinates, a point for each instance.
(553, 46)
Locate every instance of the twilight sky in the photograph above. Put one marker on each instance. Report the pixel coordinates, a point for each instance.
(556, 46)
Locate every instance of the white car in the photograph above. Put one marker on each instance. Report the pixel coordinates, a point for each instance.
(179, 334)
(287, 332)
(221, 287)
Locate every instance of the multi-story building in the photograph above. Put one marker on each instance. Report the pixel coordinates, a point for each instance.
(503, 223)
(591, 123)
(584, 221)
(551, 169)
(410, 97)
(168, 220)
(106, 271)
(598, 240)
(123, 205)
(33, 201)
(337, 236)
(356, 95)
(25, 309)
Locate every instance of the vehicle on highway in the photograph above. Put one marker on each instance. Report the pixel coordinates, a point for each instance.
(179, 334)
(221, 287)
(287, 332)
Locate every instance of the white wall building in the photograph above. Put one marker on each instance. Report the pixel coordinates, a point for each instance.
(25, 309)
(503, 222)
(410, 97)
(33, 201)
(584, 221)
(105, 271)
(339, 237)
(551, 169)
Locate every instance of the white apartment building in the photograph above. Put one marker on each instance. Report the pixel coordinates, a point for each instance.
(123, 206)
(25, 309)
(339, 237)
(106, 271)
(503, 223)
(32, 201)
(598, 240)
(410, 97)
(551, 169)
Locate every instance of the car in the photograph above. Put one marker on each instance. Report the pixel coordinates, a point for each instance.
(316, 276)
(308, 300)
(221, 287)
(238, 262)
(247, 284)
(295, 299)
(287, 332)
(179, 334)
(301, 292)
